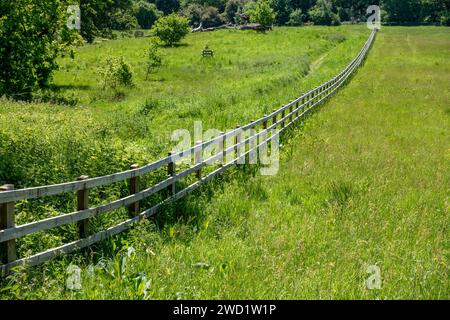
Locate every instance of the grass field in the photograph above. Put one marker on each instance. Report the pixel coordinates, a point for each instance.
(108, 131)
(363, 182)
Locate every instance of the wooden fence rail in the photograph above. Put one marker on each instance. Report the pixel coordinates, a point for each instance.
(243, 147)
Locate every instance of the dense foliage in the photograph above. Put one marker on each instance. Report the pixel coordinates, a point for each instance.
(395, 11)
(146, 14)
(32, 35)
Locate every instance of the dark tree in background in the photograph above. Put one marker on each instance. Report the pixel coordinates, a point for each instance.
(99, 17)
(146, 14)
(167, 6)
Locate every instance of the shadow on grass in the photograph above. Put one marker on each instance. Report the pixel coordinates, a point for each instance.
(69, 87)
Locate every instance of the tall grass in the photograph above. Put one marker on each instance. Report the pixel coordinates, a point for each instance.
(362, 182)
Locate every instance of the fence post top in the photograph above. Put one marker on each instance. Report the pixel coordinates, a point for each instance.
(81, 178)
(6, 187)
(134, 166)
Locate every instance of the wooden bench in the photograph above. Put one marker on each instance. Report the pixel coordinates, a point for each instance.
(207, 53)
(138, 34)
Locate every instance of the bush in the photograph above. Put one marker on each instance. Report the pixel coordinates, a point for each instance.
(146, 14)
(322, 14)
(154, 59)
(171, 29)
(295, 18)
(116, 72)
(263, 13)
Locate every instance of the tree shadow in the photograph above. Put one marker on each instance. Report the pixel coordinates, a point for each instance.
(64, 87)
(175, 45)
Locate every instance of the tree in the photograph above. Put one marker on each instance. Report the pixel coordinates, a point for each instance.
(171, 29)
(295, 18)
(231, 10)
(322, 14)
(211, 17)
(100, 15)
(193, 13)
(263, 13)
(219, 4)
(403, 12)
(283, 8)
(207, 15)
(146, 14)
(167, 6)
(32, 35)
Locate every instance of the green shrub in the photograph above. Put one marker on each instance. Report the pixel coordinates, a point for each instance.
(154, 58)
(116, 72)
(263, 13)
(171, 29)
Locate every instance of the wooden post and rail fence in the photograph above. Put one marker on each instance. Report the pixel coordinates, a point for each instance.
(243, 147)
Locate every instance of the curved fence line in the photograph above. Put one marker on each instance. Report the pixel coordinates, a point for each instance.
(241, 149)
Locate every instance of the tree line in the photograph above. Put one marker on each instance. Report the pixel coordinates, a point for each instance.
(101, 16)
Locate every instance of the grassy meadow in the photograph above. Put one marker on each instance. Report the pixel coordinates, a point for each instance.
(363, 181)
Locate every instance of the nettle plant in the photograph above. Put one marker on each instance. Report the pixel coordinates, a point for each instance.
(154, 58)
(115, 72)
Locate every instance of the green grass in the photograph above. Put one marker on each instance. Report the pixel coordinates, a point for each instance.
(250, 74)
(362, 182)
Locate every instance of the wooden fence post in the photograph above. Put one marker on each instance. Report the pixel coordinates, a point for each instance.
(198, 158)
(266, 134)
(222, 148)
(291, 108)
(7, 220)
(83, 204)
(239, 148)
(133, 209)
(171, 173)
(275, 119)
(283, 114)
